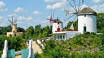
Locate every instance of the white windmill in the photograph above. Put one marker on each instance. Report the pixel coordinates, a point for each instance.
(86, 16)
(56, 24)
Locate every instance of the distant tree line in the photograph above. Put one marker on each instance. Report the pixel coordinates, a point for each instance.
(38, 32)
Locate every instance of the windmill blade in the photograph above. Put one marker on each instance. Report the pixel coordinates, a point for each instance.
(10, 21)
(71, 16)
(72, 4)
(15, 21)
(81, 2)
(76, 4)
(68, 12)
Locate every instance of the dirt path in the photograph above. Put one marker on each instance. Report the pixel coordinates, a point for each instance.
(36, 48)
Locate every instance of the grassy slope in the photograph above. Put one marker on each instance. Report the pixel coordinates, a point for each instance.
(89, 45)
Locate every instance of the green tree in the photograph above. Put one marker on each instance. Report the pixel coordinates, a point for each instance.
(29, 32)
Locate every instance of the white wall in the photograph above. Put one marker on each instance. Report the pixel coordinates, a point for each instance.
(71, 34)
(89, 21)
(55, 26)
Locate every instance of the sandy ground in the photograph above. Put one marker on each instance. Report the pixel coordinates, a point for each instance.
(18, 56)
(36, 48)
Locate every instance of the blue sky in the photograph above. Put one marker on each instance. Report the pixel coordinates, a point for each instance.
(33, 12)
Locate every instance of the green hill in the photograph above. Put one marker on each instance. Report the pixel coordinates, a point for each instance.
(82, 46)
(85, 46)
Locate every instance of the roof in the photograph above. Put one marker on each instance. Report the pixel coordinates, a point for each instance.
(57, 21)
(87, 10)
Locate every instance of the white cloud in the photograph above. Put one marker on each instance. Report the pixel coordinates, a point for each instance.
(21, 17)
(96, 1)
(36, 12)
(29, 18)
(19, 9)
(48, 0)
(2, 4)
(10, 15)
(98, 8)
(57, 5)
(1, 17)
(49, 7)
(3, 7)
(53, 0)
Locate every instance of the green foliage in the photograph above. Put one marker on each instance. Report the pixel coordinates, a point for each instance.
(3, 30)
(19, 29)
(68, 26)
(55, 50)
(100, 22)
(29, 32)
(37, 32)
(75, 24)
(16, 43)
(81, 46)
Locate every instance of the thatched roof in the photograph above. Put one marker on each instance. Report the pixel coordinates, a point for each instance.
(87, 10)
(57, 21)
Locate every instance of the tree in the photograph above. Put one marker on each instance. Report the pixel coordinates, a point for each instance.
(29, 32)
(100, 22)
(19, 29)
(37, 31)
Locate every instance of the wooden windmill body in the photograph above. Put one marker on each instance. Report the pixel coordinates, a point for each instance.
(14, 29)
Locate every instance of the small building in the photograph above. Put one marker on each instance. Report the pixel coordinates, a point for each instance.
(57, 25)
(64, 35)
(87, 20)
(14, 31)
(59, 33)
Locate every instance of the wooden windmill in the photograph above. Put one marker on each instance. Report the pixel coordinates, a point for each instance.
(14, 28)
(13, 24)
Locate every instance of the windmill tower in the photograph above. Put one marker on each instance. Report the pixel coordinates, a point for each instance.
(87, 20)
(14, 26)
(57, 26)
(86, 16)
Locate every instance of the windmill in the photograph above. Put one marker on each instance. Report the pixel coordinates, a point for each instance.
(14, 25)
